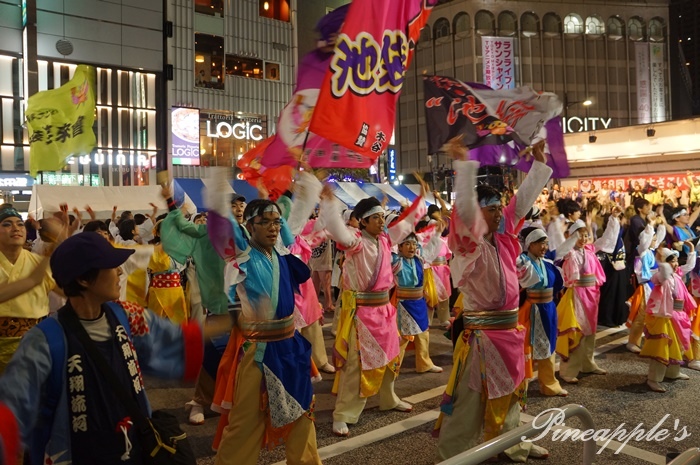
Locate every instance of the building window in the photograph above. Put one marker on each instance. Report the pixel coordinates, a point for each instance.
(209, 61)
(635, 28)
(616, 28)
(595, 25)
(441, 28)
(529, 24)
(507, 23)
(485, 23)
(272, 71)
(245, 67)
(657, 30)
(424, 37)
(275, 9)
(209, 7)
(461, 24)
(225, 136)
(551, 24)
(573, 24)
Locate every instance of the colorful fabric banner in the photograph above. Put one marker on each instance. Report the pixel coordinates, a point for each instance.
(60, 122)
(499, 62)
(357, 103)
(496, 124)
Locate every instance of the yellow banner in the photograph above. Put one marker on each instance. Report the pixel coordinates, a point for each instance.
(60, 122)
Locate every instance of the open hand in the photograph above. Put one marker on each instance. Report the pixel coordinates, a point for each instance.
(456, 149)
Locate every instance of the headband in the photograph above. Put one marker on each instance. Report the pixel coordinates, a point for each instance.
(578, 224)
(8, 212)
(271, 208)
(680, 213)
(534, 236)
(373, 211)
(489, 201)
(667, 253)
(410, 238)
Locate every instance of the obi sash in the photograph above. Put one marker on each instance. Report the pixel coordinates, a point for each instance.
(439, 261)
(268, 330)
(678, 305)
(409, 293)
(166, 280)
(540, 296)
(372, 299)
(490, 319)
(586, 280)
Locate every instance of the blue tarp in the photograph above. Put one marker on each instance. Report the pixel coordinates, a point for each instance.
(194, 187)
(374, 191)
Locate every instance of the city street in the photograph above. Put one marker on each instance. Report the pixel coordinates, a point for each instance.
(397, 438)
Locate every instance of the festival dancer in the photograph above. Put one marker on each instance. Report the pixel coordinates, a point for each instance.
(542, 281)
(273, 399)
(667, 323)
(486, 398)
(644, 268)
(437, 273)
(411, 310)
(367, 343)
(577, 311)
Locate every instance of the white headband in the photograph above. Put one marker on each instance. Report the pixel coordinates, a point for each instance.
(272, 208)
(373, 211)
(534, 236)
(489, 201)
(666, 253)
(680, 213)
(578, 224)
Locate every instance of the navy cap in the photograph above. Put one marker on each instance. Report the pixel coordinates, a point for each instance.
(83, 252)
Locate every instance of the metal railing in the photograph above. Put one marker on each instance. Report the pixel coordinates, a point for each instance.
(485, 451)
(689, 457)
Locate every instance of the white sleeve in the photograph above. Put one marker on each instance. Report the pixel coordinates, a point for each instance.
(609, 239)
(555, 233)
(645, 239)
(113, 229)
(690, 263)
(331, 215)
(432, 249)
(567, 246)
(217, 194)
(531, 188)
(660, 234)
(466, 204)
(527, 276)
(307, 191)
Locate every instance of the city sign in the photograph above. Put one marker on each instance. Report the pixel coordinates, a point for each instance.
(593, 123)
(15, 180)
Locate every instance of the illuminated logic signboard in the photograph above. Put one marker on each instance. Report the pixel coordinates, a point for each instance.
(185, 136)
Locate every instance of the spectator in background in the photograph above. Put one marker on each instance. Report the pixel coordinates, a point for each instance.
(694, 184)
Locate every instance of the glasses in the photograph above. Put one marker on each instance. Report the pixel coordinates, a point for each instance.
(268, 224)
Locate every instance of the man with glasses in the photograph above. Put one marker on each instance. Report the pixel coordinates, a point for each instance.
(366, 351)
(273, 397)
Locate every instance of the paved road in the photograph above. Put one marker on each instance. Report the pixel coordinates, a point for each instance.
(398, 438)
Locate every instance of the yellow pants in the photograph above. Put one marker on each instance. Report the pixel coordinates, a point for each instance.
(8, 347)
(463, 429)
(443, 312)
(421, 342)
(549, 384)
(580, 360)
(314, 334)
(349, 404)
(243, 437)
(637, 328)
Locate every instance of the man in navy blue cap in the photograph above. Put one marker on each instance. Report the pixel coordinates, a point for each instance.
(86, 423)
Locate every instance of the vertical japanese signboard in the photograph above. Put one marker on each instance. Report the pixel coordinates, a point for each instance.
(658, 82)
(499, 62)
(641, 59)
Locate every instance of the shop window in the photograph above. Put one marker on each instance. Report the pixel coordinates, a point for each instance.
(272, 71)
(209, 7)
(551, 24)
(245, 67)
(209, 61)
(616, 27)
(275, 9)
(530, 24)
(595, 25)
(573, 24)
(461, 24)
(507, 23)
(635, 27)
(657, 30)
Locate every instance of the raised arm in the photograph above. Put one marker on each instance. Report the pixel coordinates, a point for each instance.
(432, 249)
(331, 215)
(533, 183)
(690, 261)
(307, 191)
(608, 241)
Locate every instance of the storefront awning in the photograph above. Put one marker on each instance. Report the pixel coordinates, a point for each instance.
(194, 189)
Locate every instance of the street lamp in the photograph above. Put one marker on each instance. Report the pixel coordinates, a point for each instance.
(586, 103)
